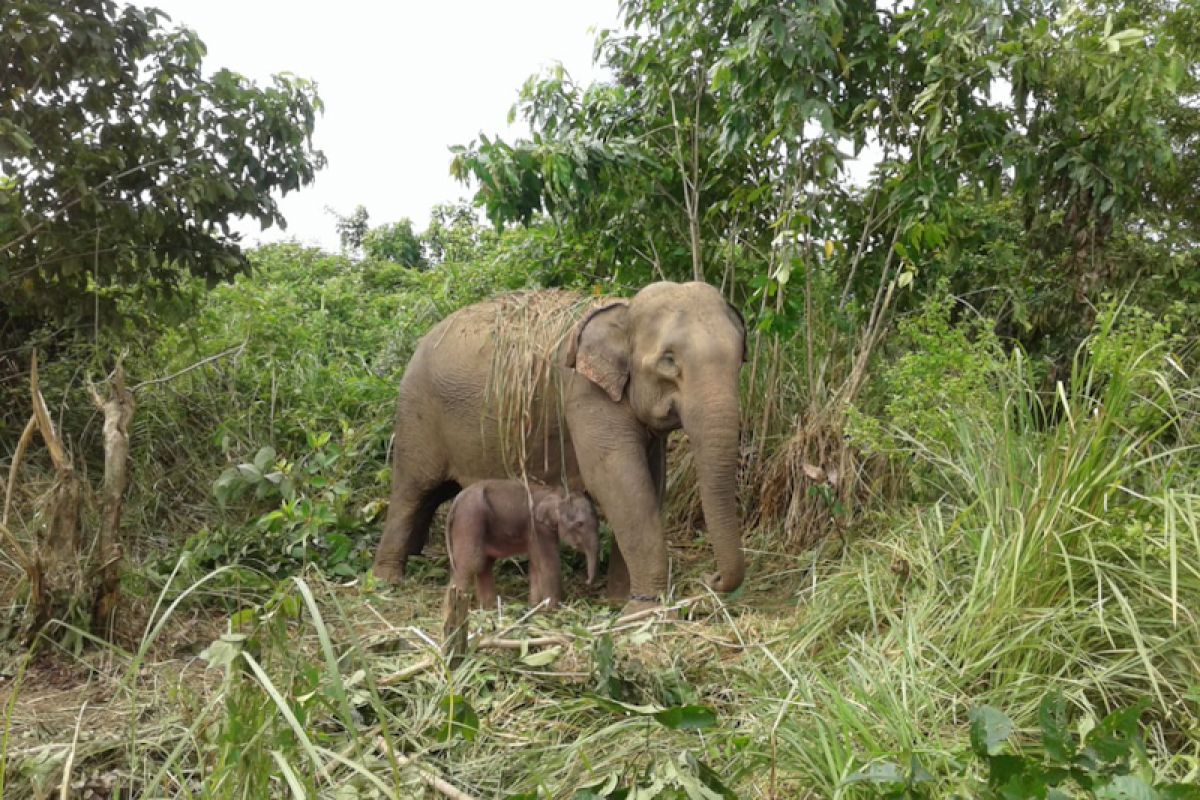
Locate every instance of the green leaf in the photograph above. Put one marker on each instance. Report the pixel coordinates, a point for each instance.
(990, 729)
(542, 657)
(1125, 787)
(225, 650)
(886, 773)
(1129, 35)
(1117, 735)
(264, 458)
(687, 718)
(1056, 735)
(461, 720)
(21, 139)
(244, 617)
(917, 773)
(623, 708)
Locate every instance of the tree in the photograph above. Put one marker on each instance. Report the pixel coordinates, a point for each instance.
(723, 136)
(122, 164)
(395, 242)
(352, 229)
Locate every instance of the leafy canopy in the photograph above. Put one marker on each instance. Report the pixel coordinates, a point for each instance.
(122, 163)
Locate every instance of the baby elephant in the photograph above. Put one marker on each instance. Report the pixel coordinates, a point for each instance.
(498, 518)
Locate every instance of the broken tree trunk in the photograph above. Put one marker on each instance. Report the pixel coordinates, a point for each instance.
(455, 608)
(54, 561)
(64, 574)
(118, 411)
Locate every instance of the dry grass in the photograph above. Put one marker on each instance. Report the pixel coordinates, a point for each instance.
(133, 711)
(529, 329)
(812, 484)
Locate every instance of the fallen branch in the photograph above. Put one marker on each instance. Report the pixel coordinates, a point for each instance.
(408, 672)
(607, 627)
(492, 643)
(426, 774)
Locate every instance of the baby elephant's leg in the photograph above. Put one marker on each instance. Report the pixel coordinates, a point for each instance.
(545, 572)
(485, 585)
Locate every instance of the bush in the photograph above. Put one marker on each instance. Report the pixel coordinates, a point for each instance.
(944, 371)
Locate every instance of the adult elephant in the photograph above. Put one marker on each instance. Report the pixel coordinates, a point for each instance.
(581, 391)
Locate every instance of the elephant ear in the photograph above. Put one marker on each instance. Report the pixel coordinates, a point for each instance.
(545, 513)
(599, 349)
(740, 321)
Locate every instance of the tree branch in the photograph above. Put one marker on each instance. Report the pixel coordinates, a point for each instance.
(236, 349)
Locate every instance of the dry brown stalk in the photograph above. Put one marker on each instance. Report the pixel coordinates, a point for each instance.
(456, 607)
(528, 329)
(426, 774)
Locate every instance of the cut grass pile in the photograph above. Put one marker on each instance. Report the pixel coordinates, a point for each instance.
(831, 666)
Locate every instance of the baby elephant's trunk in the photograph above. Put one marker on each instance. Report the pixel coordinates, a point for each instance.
(591, 564)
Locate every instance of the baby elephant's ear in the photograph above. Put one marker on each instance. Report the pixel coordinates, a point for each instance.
(545, 513)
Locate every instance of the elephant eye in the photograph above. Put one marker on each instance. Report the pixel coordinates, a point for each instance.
(667, 365)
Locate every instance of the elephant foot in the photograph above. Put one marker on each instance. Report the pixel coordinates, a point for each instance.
(389, 572)
(719, 584)
(617, 590)
(638, 604)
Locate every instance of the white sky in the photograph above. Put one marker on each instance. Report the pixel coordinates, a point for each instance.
(401, 80)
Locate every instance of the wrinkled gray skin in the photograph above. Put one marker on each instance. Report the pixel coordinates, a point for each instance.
(496, 519)
(633, 371)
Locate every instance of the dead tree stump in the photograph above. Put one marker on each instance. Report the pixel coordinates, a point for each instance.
(63, 571)
(118, 410)
(455, 610)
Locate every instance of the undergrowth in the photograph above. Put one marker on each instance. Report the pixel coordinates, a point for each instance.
(1057, 556)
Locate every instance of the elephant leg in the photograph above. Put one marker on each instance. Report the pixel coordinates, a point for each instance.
(617, 589)
(615, 469)
(618, 572)
(656, 458)
(410, 513)
(485, 585)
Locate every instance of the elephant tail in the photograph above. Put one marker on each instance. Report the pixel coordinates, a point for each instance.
(449, 525)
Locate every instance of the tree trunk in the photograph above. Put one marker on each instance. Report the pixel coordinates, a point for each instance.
(455, 608)
(118, 412)
(64, 576)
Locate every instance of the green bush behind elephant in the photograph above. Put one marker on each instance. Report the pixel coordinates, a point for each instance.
(560, 387)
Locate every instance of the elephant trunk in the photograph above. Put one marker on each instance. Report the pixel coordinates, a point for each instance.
(591, 565)
(713, 430)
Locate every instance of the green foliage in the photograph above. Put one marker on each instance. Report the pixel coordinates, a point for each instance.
(313, 521)
(123, 162)
(681, 779)
(296, 418)
(461, 720)
(1043, 544)
(1106, 759)
(717, 149)
(395, 242)
(352, 229)
(941, 372)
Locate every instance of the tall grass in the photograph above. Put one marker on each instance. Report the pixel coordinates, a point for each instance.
(1055, 545)
(1062, 554)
